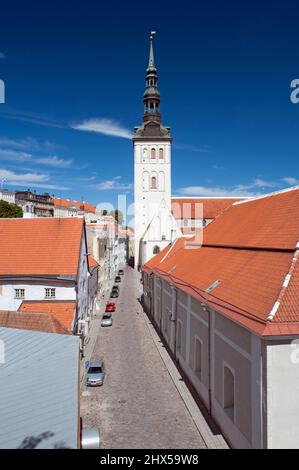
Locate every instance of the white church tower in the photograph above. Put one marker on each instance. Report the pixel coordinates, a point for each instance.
(155, 227)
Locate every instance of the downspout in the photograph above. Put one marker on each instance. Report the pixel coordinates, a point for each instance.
(174, 319)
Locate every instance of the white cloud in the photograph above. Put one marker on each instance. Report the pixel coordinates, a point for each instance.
(103, 126)
(252, 189)
(28, 180)
(20, 177)
(113, 184)
(28, 143)
(291, 180)
(216, 192)
(19, 156)
(54, 161)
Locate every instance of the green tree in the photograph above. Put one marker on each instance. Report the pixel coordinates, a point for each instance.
(118, 215)
(105, 212)
(10, 211)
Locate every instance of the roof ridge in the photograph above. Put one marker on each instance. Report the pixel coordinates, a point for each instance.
(285, 285)
(263, 196)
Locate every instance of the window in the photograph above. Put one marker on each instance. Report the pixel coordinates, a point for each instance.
(179, 336)
(50, 293)
(153, 153)
(154, 182)
(198, 358)
(156, 250)
(186, 222)
(161, 155)
(229, 392)
(20, 293)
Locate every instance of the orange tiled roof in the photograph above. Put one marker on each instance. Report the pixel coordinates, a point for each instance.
(185, 208)
(62, 311)
(252, 255)
(83, 206)
(92, 262)
(43, 322)
(42, 246)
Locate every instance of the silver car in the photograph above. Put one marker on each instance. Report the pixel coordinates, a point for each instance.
(106, 320)
(95, 373)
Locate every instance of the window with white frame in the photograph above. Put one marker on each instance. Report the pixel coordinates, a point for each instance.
(20, 293)
(50, 293)
(229, 392)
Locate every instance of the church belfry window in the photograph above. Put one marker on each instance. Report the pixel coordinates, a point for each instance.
(153, 153)
(154, 182)
(161, 153)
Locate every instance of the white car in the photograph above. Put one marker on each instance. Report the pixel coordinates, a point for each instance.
(107, 320)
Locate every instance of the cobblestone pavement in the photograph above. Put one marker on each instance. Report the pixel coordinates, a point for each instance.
(138, 406)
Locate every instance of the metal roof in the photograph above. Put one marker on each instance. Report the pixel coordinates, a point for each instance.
(39, 399)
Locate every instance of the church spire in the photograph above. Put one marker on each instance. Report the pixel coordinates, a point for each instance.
(151, 62)
(151, 97)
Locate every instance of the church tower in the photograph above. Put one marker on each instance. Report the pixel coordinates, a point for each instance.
(154, 224)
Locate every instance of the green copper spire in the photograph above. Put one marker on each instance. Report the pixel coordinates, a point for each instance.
(151, 62)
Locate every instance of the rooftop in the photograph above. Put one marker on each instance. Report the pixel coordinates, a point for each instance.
(189, 208)
(40, 246)
(61, 310)
(43, 322)
(252, 249)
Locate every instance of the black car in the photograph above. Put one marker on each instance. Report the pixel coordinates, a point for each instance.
(115, 287)
(117, 279)
(114, 294)
(120, 272)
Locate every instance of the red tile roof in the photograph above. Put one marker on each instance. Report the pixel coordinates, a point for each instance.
(62, 311)
(190, 208)
(42, 246)
(92, 262)
(43, 322)
(250, 249)
(83, 206)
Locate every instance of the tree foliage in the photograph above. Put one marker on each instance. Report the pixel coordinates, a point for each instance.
(118, 215)
(10, 211)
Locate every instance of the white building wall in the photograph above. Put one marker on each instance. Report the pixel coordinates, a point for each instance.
(282, 395)
(33, 291)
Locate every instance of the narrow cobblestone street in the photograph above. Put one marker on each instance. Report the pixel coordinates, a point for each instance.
(138, 406)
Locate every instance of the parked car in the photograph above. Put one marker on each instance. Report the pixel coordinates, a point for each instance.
(115, 287)
(121, 272)
(110, 307)
(96, 373)
(106, 320)
(117, 279)
(114, 294)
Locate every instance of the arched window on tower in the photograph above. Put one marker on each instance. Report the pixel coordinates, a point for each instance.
(161, 153)
(156, 250)
(153, 182)
(153, 153)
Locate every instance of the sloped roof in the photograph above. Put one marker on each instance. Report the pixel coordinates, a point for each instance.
(39, 393)
(41, 246)
(92, 262)
(43, 322)
(252, 249)
(189, 208)
(83, 206)
(62, 311)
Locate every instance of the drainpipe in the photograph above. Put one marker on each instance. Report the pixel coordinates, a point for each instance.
(210, 357)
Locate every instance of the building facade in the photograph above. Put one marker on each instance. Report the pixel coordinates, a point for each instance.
(35, 205)
(228, 312)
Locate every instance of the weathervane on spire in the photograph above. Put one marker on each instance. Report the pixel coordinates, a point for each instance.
(152, 34)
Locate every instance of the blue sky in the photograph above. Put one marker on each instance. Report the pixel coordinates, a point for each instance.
(225, 70)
